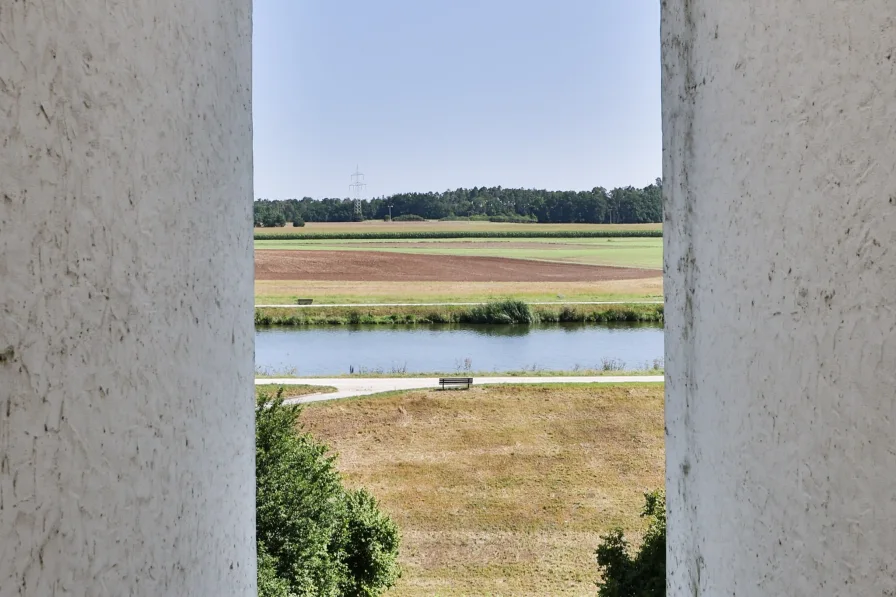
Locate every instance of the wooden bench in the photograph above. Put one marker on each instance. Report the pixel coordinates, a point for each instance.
(456, 381)
(304, 301)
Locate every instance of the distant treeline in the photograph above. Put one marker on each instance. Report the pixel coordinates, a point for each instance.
(598, 206)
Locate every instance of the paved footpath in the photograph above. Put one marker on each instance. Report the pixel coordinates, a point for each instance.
(352, 387)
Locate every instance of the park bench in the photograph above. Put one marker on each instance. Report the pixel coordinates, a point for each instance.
(456, 381)
(304, 301)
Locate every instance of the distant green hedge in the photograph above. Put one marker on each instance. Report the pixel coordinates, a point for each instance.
(428, 234)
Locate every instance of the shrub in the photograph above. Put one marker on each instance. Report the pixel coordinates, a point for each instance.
(408, 218)
(314, 536)
(502, 312)
(569, 314)
(641, 575)
(298, 223)
(548, 316)
(612, 364)
(370, 544)
(439, 317)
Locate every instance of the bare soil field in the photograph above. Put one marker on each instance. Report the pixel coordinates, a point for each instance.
(539, 245)
(382, 266)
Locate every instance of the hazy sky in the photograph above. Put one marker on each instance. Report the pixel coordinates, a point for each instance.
(426, 95)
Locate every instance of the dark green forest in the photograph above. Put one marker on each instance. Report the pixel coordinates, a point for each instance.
(626, 205)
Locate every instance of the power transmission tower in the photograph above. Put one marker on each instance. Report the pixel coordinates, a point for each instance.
(357, 187)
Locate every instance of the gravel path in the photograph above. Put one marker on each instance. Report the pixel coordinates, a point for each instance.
(352, 387)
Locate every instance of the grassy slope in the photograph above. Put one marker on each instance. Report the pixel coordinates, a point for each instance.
(503, 490)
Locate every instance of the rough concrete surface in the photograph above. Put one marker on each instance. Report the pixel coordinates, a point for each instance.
(779, 149)
(126, 335)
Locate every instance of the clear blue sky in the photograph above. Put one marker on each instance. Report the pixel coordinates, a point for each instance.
(427, 95)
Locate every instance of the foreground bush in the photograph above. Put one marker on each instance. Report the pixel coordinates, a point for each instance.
(644, 573)
(314, 536)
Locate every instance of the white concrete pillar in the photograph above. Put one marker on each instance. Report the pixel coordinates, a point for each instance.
(126, 336)
(779, 124)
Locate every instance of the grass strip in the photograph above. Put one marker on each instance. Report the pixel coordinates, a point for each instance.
(289, 234)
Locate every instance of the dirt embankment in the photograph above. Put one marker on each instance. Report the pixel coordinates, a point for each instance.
(365, 266)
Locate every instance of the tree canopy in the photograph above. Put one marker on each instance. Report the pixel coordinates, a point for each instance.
(642, 573)
(315, 536)
(624, 205)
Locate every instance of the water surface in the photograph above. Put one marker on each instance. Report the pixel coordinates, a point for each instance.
(333, 350)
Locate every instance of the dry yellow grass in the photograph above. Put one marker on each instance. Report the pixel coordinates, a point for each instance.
(501, 490)
(286, 291)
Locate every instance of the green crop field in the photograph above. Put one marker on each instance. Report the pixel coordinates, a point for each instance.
(378, 227)
(285, 292)
(621, 252)
(636, 252)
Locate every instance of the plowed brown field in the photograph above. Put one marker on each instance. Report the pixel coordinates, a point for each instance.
(381, 266)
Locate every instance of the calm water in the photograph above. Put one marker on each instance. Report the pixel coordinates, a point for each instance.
(332, 350)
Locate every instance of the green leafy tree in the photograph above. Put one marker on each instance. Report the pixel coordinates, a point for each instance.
(314, 536)
(644, 573)
(369, 544)
(269, 584)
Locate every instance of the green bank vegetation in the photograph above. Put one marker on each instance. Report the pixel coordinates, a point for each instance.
(609, 366)
(502, 312)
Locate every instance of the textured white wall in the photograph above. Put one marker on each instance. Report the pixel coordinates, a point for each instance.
(780, 172)
(126, 336)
